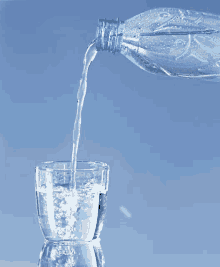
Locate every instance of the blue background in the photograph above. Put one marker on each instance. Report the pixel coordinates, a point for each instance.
(159, 135)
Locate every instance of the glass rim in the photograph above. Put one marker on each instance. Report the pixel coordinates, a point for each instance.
(40, 165)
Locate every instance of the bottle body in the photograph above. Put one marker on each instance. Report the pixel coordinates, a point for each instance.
(170, 41)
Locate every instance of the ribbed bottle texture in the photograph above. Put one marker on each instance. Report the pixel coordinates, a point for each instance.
(167, 41)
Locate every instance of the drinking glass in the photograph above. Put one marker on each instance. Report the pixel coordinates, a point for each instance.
(71, 211)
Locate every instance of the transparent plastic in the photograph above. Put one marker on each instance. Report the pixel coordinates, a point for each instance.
(167, 41)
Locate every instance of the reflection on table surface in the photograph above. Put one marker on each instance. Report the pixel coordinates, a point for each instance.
(156, 260)
(72, 253)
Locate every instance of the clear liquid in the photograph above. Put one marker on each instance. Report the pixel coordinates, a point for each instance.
(101, 214)
(64, 216)
(174, 42)
(61, 222)
(88, 58)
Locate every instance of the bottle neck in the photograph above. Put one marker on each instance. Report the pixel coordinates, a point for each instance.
(109, 35)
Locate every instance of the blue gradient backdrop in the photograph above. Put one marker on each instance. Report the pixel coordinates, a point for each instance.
(159, 135)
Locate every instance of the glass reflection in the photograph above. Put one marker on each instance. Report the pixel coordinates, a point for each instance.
(72, 253)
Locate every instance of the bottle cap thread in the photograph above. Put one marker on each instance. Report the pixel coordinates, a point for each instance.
(109, 35)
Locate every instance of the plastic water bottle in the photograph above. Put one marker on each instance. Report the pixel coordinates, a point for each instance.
(167, 41)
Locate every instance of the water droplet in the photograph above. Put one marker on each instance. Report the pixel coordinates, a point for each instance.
(164, 15)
